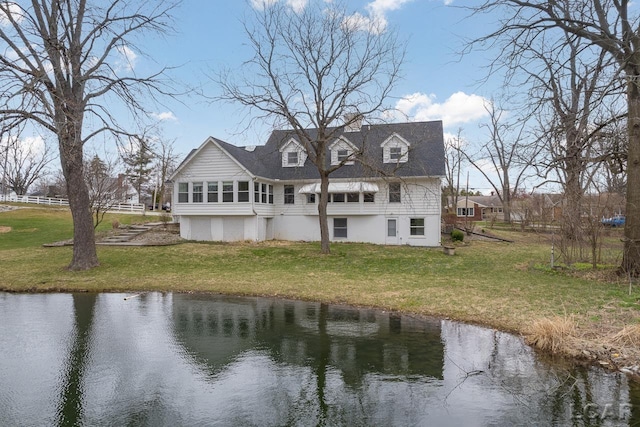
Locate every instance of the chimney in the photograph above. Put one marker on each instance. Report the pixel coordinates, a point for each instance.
(353, 122)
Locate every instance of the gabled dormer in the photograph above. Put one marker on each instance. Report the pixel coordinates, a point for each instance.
(342, 149)
(293, 154)
(395, 149)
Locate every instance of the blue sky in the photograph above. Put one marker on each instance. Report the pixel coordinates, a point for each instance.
(437, 83)
(210, 35)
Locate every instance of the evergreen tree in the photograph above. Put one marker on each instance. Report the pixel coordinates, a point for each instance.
(139, 165)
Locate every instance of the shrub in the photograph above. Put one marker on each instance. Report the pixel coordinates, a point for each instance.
(165, 218)
(457, 235)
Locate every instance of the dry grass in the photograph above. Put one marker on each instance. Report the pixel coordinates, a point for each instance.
(629, 336)
(552, 334)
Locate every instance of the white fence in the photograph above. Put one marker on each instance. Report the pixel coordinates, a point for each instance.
(120, 207)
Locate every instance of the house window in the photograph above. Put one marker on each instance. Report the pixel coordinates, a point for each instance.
(243, 191)
(353, 197)
(465, 211)
(289, 195)
(196, 196)
(311, 198)
(340, 227)
(337, 197)
(227, 191)
(395, 195)
(369, 197)
(343, 155)
(256, 192)
(263, 195)
(395, 153)
(212, 192)
(183, 192)
(270, 194)
(416, 227)
(292, 158)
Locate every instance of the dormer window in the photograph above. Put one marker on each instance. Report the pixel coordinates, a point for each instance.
(395, 149)
(342, 151)
(292, 158)
(343, 155)
(395, 153)
(293, 154)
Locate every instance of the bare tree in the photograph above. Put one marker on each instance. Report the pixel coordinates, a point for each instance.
(311, 68)
(104, 187)
(453, 149)
(570, 91)
(24, 163)
(609, 25)
(507, 153)
(64, 63)
(166, 162)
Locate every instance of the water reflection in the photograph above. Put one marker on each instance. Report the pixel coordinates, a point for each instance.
(70, 410)
(175, 359)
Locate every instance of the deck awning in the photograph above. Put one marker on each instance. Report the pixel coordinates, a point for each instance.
(341, 187)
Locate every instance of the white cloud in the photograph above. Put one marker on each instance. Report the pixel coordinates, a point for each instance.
(165, 116)
(376, 21)
(128, 58)
(262, 4)
(381, 7)
(296, 5)
(30, 144)
(458, 108)
(12, 9)
(359, 22)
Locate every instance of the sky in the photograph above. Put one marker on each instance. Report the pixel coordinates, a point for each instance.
(438, 83)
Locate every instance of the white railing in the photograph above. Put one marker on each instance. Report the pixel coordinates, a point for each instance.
(51, 201)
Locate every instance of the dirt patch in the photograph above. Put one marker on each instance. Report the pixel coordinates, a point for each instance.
(159, 236)
(4, 229)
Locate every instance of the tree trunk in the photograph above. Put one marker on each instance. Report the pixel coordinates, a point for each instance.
(325, 246)
(631, 257)
(84, 244)
(506, 200)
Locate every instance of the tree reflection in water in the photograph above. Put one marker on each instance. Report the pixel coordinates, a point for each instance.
(178, 359)
(70, 410)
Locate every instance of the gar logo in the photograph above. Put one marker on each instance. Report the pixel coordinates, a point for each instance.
(604, 411)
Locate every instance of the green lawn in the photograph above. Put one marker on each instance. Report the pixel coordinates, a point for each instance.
(505, 285)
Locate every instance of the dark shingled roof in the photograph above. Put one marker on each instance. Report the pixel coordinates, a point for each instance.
(426, 153)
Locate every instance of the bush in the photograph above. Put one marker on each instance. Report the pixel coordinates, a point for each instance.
(457, 235)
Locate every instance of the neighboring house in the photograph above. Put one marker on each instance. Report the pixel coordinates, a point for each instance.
(113, 190)
(478, 208)
(388, 194)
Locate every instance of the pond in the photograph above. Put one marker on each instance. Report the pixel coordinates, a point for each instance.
(180, 359)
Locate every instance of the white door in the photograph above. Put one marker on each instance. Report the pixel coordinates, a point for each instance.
(268, 229)
(392, 231)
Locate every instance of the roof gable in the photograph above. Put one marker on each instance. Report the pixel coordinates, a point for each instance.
(194, 155)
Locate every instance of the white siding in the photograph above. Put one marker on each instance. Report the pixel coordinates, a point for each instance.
(220, 229)
(366, 222)
(211, 164)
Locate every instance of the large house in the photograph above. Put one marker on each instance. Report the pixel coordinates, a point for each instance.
(387, 192)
